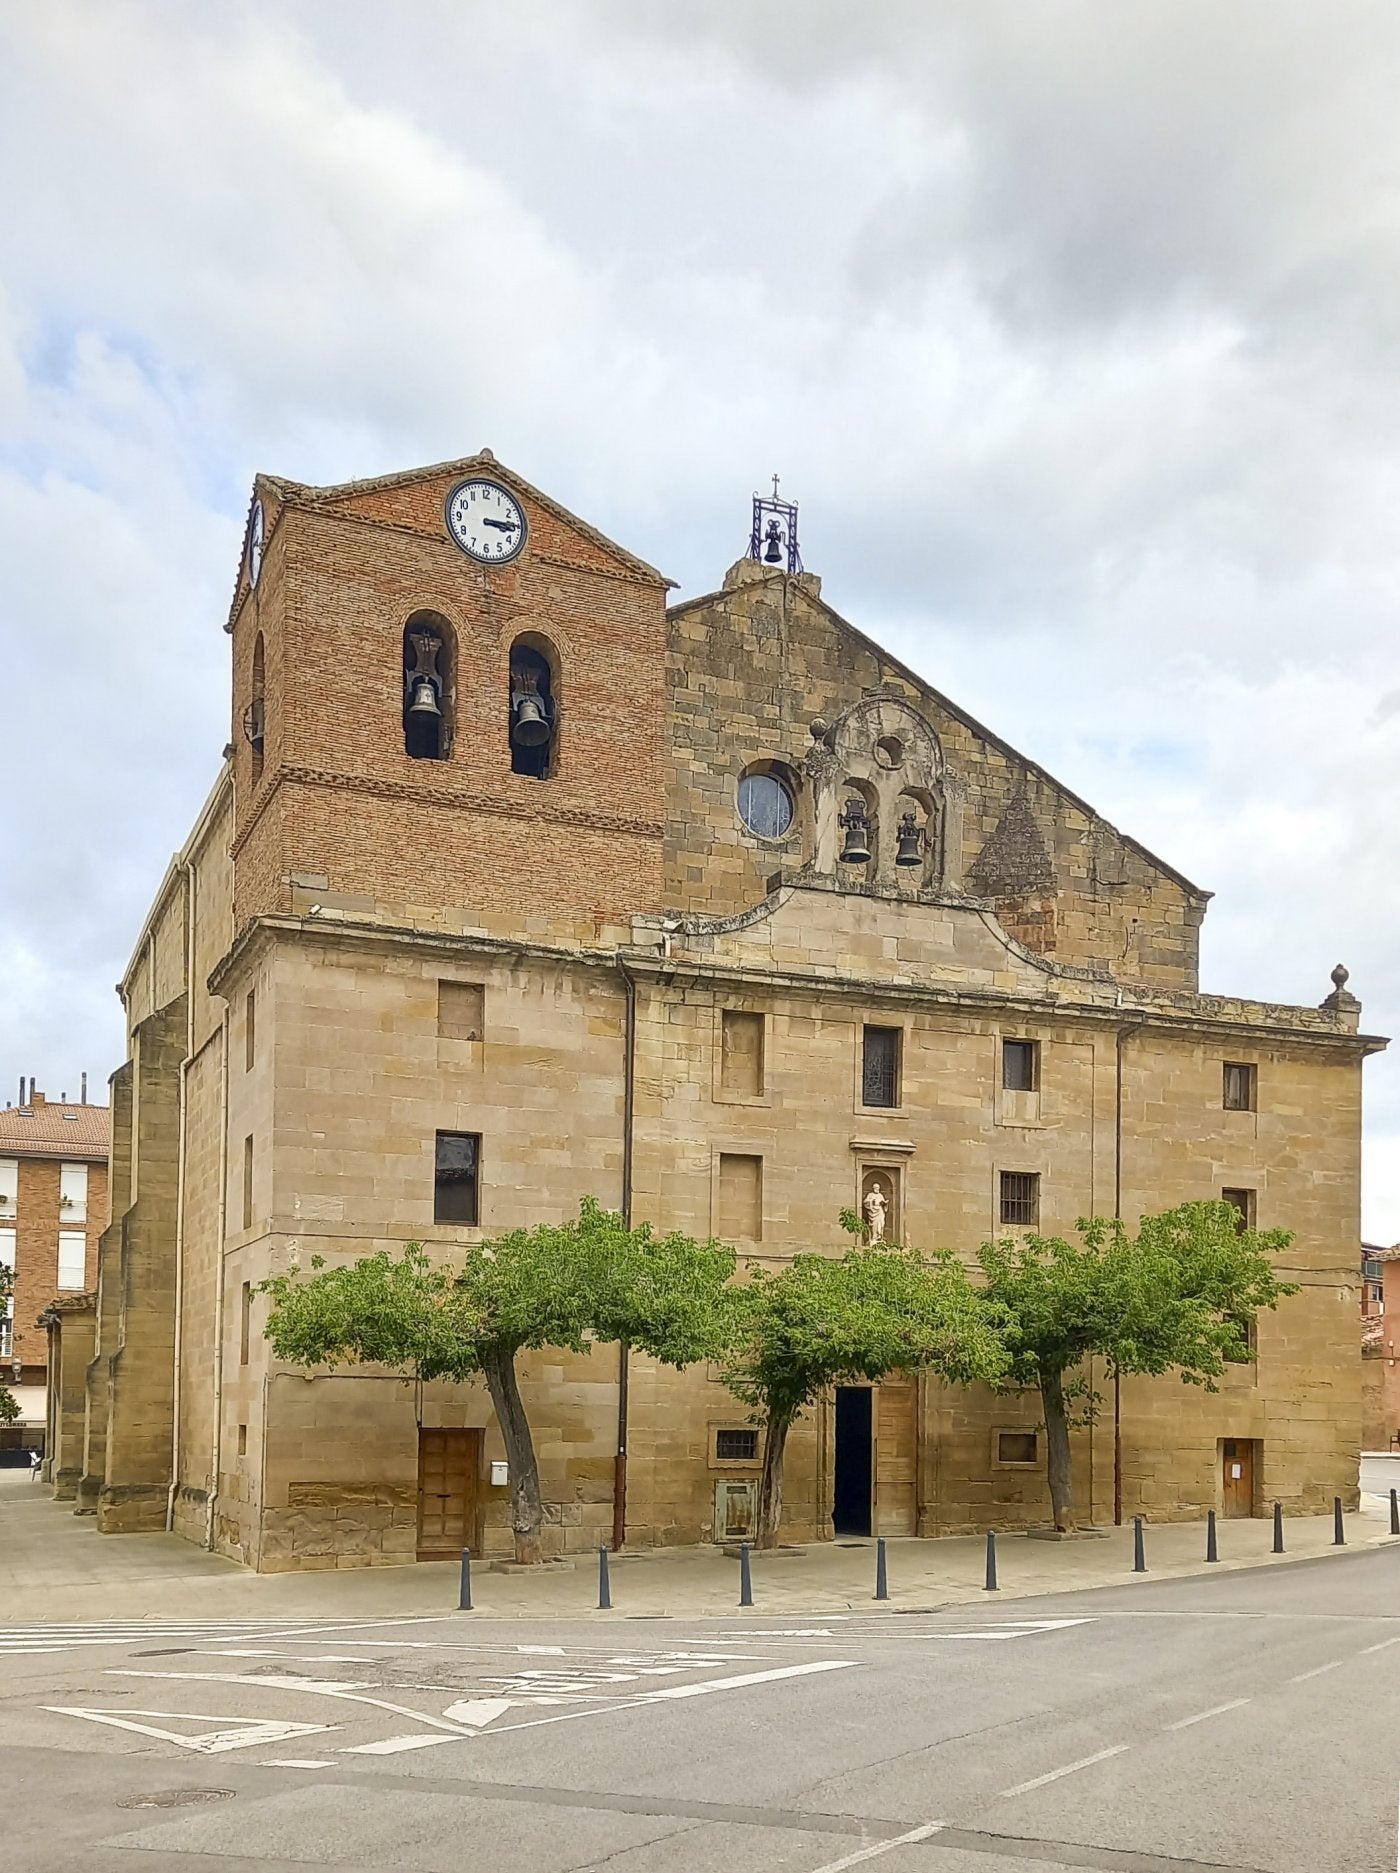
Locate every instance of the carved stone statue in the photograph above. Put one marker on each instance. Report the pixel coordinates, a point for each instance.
(873, 1209)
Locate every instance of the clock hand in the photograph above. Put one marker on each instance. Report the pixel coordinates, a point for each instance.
(501, 526)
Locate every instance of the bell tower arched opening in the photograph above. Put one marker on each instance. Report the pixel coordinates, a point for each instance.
(533, 717)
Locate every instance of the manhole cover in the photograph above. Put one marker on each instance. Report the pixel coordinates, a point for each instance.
(176, 1798)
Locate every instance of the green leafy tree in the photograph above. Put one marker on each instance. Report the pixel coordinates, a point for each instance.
(1181, 1295)
(564, 1286)
(825, 1320)
(9, 1406)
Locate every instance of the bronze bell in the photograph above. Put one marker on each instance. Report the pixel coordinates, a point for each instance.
(910, 848)
(531, 727)
(773, 551)
(856, 823)
(425, 700)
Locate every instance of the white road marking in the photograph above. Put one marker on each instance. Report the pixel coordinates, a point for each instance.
(238, 1732)
(310, 1686)
(1377, 1648)
(274, 1680)
(885, 1846)
(393, 1745)
(748, 1677)
(479, 1711)
(1216, 1710)
(556, 1651)
(1085, 1762)
(290, 1658)
(298, 1762)
(1317, 1671)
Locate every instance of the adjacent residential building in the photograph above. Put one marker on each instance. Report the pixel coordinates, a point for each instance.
(53, 1208)
(519, 884)
(1380, 1349)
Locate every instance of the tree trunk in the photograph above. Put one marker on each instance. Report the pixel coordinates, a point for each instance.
(770, 1483)
(1057, 1458)
(526, 1515)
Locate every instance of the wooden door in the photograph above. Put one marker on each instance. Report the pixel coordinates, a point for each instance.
(448, 1465)
(896, 1458)
(1237, 1460)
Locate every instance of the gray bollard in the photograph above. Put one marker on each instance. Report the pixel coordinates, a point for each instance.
(1339, 1533)
(882, 1582)
(745, 1577)
(1278, 1528)
(1395, 1512)
(1139, 1553)
(464, 1598)
(1212, 1551)
(604, 1586)
(991, 1586)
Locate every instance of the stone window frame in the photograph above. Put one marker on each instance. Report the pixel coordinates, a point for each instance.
(720, 1093)
(741, 1465)
(998, 1462)
(1000, 1196)
(1250, 1084)
(789, 776)
(901, 1025)
(742, 1148)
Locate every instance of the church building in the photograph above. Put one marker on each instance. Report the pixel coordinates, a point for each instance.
(520, 884)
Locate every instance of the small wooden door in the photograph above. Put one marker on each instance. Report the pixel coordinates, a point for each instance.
(448, 1465)
(1237, 1460)
(896, 1457)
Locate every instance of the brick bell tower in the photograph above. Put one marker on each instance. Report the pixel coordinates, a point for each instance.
(448, 708)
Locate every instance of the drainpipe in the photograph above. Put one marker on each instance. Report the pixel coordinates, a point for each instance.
(180, 1155)
(629, 1082)
(1119, 1038)
(217, 1452)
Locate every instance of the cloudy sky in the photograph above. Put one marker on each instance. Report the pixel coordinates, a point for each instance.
(1072, 326)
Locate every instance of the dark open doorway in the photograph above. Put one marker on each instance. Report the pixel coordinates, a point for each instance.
(850, 1510)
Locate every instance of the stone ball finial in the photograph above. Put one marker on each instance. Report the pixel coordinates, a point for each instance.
(1341, 975)
(818, 728)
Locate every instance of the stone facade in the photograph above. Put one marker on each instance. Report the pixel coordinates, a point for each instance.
(617, 986)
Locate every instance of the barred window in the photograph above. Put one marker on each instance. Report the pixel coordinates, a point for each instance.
(1020, 1197)
(880, 1067)
(736, 1446)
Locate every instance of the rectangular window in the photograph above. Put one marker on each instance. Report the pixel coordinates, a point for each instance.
(250, 1030)
(461, 1011)
(1242, 1202)
(879, 1080)
(9, 1186)
(1020, 1197)
(1241, 1080)
(1016, 1447)
(456, 1177)
(741, 1053)
(1248, 1328)
(72, 1193)
(7, 1329)
(72, 1259)
(242, 1440)
(248, 1182)
(245, 1320)
(7, 1248)
(740, 1197)
(736, 1446)
(1020, 1066)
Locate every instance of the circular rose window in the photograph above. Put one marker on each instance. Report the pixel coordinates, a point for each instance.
(765, 805)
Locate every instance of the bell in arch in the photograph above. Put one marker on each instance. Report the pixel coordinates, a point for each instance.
(855, 822)
(773, 551)
(424, 697)
(909, 850)
(531, 726)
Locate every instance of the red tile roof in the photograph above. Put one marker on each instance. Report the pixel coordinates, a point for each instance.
(51, 1129)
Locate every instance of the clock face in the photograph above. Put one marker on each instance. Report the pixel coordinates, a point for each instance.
(255, 543)
(486, 521)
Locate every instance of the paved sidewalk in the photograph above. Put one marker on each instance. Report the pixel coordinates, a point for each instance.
(55, 1566)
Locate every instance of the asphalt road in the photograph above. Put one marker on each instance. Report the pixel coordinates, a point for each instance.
(1243, 1721)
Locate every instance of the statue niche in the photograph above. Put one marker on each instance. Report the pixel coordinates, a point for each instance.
(878, 797)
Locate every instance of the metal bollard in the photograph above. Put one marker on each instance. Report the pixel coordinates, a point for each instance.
(1395, 1512)
(991, 1586)
(745, 1577)
(1139, 1554)
(1212, 1551)
(464, 1598)
(1278, 1528)
(882, 1583)
(1339, 1533)
(604, 1586)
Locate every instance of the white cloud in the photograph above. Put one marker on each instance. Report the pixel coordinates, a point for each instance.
(1071, 329)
